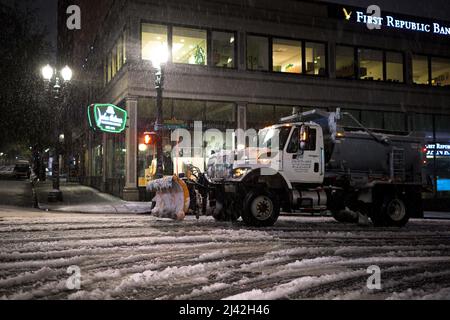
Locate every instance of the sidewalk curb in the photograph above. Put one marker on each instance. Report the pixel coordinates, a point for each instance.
(119, 207)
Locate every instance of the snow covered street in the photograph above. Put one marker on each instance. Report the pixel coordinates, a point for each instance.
(142, 257)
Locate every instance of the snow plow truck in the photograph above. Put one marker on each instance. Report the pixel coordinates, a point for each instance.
(353, 174)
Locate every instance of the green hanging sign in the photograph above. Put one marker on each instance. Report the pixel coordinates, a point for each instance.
(107, 118)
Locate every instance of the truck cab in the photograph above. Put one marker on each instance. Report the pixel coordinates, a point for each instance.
(303, 155)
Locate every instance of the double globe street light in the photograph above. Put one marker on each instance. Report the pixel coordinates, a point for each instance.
(57, 81)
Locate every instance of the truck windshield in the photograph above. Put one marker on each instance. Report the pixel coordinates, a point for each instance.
(267, 136)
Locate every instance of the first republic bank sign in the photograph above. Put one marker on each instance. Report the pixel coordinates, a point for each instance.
(374, 19)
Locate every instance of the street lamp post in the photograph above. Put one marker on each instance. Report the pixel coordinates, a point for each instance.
(53, 79)
(159, 59)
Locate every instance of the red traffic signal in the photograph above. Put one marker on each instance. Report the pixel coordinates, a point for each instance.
(150, 138)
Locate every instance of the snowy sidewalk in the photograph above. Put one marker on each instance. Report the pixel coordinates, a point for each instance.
(83, 199)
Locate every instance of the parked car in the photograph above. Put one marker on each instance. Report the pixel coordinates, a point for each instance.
(22, 170)
(6, 172)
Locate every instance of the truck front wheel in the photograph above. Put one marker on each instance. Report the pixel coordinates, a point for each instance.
(261, 209)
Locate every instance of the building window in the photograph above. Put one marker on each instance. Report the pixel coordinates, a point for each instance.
(287, 56)
(105, 72)
(257, 53)
(440, 72)
(97, 163)
(222, 114)
(182, 114)
(370, 64)
(119, 54)
(315, 58)
(283, 112)
(347, 121)
(124, 46)
(394, 121)
(394, 67)
(189, 46)
(420, 70)
(259, 116)
(109, 68)
(372, 119)
(113, 62)
(153, 37)
(345, 62)
(188, 110)
(223, 49)
(442, 126)
(423, 123)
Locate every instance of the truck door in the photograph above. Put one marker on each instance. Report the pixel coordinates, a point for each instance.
(307, 165)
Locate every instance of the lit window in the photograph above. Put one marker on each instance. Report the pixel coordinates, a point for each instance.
(420, 70)
(257, 53)
(315, 58)
(371, 64)
(394, 67)
(223, 49)
(113, 62)
(109, 68)
(119, 54)
(287, 56)
(189, 46)
(345, 62)
(153, 37)
(124, 46)
(440, 72)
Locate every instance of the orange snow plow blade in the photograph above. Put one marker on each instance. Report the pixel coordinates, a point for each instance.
(172, 198)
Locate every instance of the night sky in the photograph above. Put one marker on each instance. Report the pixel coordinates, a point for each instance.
(439, 9)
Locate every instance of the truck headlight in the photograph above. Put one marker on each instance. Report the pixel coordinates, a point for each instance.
(240, 172)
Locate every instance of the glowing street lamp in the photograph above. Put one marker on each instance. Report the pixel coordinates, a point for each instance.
(47, 73)
(52, 79)
(159, 58)
(66, 74)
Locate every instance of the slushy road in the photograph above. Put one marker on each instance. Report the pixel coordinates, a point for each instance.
(142, 257)
(16, 193)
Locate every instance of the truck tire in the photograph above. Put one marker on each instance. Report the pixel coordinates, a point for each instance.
(392, 212)
(261, 209)
(395, 212)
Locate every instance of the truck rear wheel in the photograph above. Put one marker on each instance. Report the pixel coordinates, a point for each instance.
(395, 212)
(392, 213)
(261, 209)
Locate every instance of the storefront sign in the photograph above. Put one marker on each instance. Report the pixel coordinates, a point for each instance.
(438, 150)
(395, 21)
(107, 118)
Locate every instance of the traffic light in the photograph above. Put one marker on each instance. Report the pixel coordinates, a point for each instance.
(150, 138)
